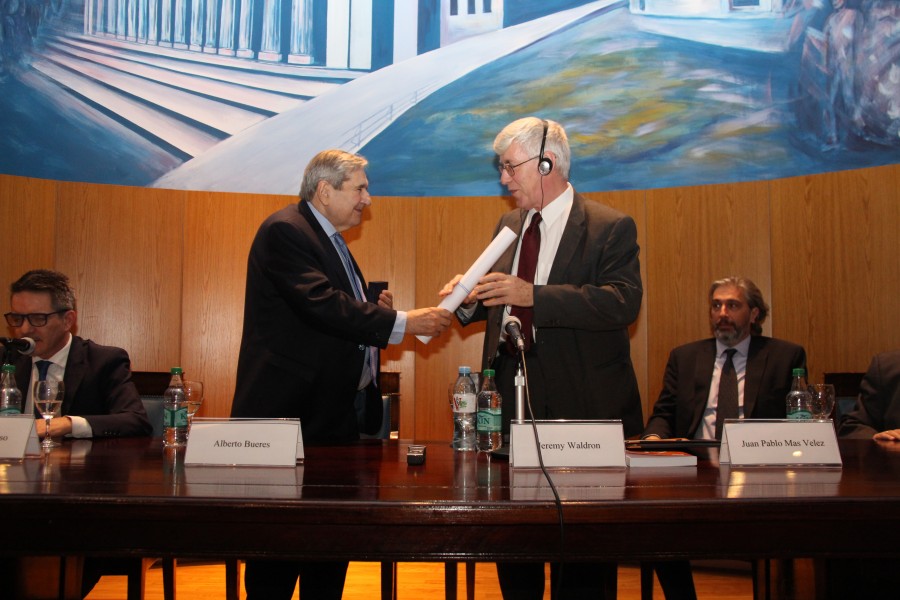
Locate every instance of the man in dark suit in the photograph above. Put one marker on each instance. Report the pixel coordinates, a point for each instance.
(877, 411)
(100, 399)
(687, 405)
(574, 281)
(309, 344)
(760, 369)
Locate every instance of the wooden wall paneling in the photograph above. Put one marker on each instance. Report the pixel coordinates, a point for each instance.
(452, 233)
(28, 218)
(122, 249)
(696, 235)
(219, 229)
(836, 271)
(384, 245)
(632, 203)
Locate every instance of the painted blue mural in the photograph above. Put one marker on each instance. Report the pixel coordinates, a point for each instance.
(236, 95)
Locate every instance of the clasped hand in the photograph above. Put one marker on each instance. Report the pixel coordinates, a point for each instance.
(495, 289)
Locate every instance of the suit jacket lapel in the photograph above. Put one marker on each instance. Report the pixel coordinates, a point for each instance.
(703, 372)
(756, 366)
(334, 266)
(572, 236)
(74, 374)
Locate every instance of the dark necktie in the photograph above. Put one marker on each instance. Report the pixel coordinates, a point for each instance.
(528, 258)
(728, 393)
(372, 354)
(42, 366)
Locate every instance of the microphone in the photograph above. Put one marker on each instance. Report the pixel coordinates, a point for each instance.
(513, 328)
(22, 345)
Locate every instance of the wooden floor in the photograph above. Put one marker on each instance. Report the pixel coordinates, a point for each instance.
(420, 581)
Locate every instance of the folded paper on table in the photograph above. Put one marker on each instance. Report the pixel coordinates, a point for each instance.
(478, 270)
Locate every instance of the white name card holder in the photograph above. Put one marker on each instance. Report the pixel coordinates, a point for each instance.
(567, 444)
(770, 442)
(18, 436)
(249, 442)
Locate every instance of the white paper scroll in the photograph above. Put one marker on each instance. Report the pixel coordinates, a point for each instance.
(478, 270)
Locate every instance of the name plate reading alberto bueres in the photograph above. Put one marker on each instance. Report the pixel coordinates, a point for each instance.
(567, 444)
(269, 442)
(759, 442)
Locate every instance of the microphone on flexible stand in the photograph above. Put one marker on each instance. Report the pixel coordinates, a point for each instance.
(513, 328)
(24, 346)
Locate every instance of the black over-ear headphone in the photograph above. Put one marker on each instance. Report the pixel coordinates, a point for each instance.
(545, 165)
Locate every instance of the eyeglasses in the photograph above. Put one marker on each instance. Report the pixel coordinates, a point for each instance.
(35, 319)
(511, 169)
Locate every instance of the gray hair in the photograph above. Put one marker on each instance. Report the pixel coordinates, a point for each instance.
(752, 296)
(528, 132)
(62, 296)
(333, 166)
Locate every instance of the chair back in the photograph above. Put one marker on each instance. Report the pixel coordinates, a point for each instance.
(846, 392)
(151, 386)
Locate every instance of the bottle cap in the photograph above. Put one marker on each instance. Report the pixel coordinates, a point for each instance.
(488, 372)
(465, 370)
(8, 368)
(798, 372)
(176, 371)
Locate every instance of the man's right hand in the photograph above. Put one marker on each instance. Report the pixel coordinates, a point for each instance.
(448, 289)
(427, 321)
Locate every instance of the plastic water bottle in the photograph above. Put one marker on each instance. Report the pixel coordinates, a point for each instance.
(464, 399)
(799, 400)
(488, 422)
(10, 396)
(175, 411)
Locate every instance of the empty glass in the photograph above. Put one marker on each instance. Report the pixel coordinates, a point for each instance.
(193, 392)
(822, 400)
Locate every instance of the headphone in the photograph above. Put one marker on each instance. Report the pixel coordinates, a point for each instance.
(545, 165)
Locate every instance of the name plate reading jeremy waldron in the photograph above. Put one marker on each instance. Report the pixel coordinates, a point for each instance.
(263, 442)
(18, 436)
(766, 442)
(567, 444)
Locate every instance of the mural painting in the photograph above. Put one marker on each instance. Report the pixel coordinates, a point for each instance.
(236, 95)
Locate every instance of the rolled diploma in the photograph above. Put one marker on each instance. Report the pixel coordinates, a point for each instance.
(478, 270)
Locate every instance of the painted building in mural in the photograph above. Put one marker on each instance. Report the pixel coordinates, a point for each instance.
(341, 34)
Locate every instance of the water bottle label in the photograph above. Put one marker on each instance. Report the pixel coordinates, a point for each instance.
(464, 403)
(10, 410)
(489, 421)
(800, 414)
(175, 417)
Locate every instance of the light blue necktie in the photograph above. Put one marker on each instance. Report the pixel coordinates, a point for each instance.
(348, 265)
(372, 354)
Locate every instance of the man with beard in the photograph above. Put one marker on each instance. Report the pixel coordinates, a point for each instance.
(688, 405)
(756, 369)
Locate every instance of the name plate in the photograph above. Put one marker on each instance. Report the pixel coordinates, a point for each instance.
(268, 442)
(760, 442)
(567, 444)
(18, 436)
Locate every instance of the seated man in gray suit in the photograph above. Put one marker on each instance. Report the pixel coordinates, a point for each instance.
(755, 375)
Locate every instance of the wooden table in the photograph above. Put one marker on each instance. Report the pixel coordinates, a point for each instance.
(362, 502)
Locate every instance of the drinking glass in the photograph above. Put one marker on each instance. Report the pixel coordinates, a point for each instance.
(822, 399)
(48, 397)
(193, 393)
